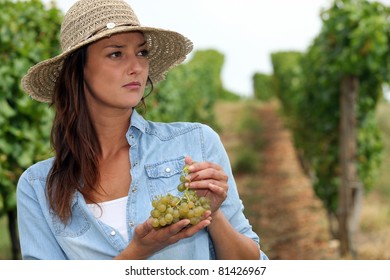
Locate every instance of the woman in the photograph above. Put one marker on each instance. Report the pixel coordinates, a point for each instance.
(93, 199)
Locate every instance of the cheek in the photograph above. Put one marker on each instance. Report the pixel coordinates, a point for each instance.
(95, 85)
(146, 66)
(146, 72)
(96, 77)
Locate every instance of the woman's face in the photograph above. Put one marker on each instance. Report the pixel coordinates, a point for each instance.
(116, 71)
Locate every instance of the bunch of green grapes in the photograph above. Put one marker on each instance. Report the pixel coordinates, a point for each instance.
(170, 209)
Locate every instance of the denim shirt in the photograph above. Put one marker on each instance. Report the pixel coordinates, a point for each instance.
(157, 152)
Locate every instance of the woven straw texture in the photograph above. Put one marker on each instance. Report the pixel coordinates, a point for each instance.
(90, 20)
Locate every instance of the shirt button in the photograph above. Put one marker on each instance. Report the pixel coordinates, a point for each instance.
(113, 233)
(168, 170)
(131, 224)
(134, 190)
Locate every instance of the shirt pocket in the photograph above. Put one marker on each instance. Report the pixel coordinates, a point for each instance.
(164, 176)
(76, 225)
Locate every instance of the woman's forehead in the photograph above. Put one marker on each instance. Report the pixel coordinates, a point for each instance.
(125, 38)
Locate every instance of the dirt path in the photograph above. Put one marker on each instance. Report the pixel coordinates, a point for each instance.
(279, 199)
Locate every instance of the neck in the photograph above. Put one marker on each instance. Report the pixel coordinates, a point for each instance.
(111, 131)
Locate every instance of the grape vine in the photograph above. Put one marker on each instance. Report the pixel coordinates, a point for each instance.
(353, 42)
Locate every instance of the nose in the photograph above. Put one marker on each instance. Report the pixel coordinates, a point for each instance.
(134, 65)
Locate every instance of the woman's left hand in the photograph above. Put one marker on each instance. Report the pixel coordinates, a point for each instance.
(209, 180)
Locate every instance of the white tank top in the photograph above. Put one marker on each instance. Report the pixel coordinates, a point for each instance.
(112, 213)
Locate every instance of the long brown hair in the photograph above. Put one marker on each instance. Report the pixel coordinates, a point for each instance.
(73, 138)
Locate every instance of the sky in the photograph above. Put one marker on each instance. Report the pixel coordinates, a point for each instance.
(246, 32)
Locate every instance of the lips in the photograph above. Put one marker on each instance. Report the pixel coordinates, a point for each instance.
(132, 85)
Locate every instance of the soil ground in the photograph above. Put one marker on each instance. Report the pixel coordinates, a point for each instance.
(278, 198)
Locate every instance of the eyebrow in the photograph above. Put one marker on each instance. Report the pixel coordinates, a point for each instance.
(142, 44)
(122, 46)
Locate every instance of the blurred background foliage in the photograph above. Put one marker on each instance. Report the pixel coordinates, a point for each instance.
(28, 34)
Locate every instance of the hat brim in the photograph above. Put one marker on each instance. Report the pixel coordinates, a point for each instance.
(166, 49)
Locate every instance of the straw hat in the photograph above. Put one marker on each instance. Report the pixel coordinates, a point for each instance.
(90, 20)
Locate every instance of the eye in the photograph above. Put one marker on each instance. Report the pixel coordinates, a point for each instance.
(144, 53)
(115, 54)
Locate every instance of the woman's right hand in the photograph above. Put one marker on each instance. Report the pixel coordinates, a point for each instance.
(147, 240)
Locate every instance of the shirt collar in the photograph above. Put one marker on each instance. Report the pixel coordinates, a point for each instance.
(138, 121)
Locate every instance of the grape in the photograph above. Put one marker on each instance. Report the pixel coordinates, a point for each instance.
(194, 221)
(190, 214)
(174, 201)
(176, 214)
(155, 203)
(155, 213)
(170, 209)
(198, 211)
(181, 187)
(155, 222)
(164, 200)
(183, 210)
(161, 207)
(162, 221)
(168, 218)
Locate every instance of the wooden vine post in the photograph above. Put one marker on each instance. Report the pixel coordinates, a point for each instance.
(351, 190)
